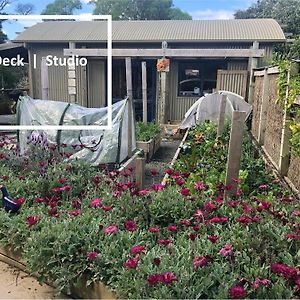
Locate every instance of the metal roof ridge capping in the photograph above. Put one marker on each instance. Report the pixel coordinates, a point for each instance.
(263, 30)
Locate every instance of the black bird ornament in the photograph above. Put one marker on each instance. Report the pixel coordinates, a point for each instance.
(9, 204)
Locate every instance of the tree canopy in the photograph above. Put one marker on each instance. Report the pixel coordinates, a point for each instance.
(62, 7)
(139, 10)
(286, 12)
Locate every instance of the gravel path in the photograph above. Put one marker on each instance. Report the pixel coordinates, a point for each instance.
(161, 161)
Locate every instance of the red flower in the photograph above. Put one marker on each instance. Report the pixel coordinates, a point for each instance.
(156, 261)
(154, 172)
(111, 229)
(164, 242)
(56, 190)
(65, 188)
(180, 182)
(201, 261)
(284, 270)
(296, 213)
(293, 236)
(62, 180)
(130, 225)
(209, 206)
(198, 214)
(20, 201)
(31, 220)
(96, 180)
(185, 222)
(264, 205)
(53, 212)
(154, 279)
(220, 220)
(263, 187)
(233, 204)
(213, 238)
(137, 250)
(40, 200)
(192, 236)
(75, 213)
(258, 282)
(168, 277)
(96, 202)
(144, 192)
(169, 171)
(154, 229)
(185, 192)
(132, 263)
(172, 228)
(107, 207)
(237, 292)
(226, 250)
(92, 255)
(76, 204)
(200, 186)
(197, 228)
(244, 220)
(158, 187)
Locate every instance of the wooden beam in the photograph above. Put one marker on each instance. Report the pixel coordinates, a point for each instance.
(130, 99)
(140, 172)
(168, 52)
(253, 61)
(235, 150)
(144, 89)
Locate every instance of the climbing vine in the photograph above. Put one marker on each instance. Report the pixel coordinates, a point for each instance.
(288, 90)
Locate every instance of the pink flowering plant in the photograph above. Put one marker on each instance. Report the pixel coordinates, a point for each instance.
(182, 240)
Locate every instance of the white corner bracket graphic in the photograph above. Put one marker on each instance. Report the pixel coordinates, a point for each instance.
(109, 71)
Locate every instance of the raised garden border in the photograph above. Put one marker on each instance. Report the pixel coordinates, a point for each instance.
(97, 290)
(150, 147)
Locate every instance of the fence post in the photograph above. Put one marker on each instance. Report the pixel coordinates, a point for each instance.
(284, 158)
(144, 88)
(130, 99)
(221, 119)
(44, 79)
(140, 172)
(252, 65)
(235, 150)
(263, 109)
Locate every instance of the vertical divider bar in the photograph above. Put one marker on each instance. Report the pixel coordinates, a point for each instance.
(130, 99)
(144, 88)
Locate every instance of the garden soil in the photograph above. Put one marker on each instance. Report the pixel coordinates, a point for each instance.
(15, 284)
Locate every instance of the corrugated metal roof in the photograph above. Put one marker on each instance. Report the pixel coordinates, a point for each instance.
(155, 31)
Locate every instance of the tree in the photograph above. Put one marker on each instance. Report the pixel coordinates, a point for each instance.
(24, 9)
(62, 7)
(286, 12)
(139, 10)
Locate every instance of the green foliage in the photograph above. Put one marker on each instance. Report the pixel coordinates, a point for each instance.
(147, 131)
(287, 93)
(62, 7)
(58, 245)
(139, 10)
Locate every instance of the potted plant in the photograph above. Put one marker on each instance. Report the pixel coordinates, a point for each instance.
(148, 136)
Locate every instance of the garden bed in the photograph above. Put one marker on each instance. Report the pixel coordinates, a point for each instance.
(179, 240)
(150, 147)
(96, 290)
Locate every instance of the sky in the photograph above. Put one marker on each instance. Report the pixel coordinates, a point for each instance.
(198, 9)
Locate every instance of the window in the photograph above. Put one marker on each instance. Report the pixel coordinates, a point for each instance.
(195, 78)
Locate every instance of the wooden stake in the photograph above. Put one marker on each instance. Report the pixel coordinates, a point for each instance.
(163, 97)
(221, 120)
(130, 99)
(144, 87)
(263, 109)
(140, 172)
(44, 79)
(235, 150)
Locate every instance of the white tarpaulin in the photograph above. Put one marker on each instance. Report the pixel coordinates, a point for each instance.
(96, 146)
(208, 108)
